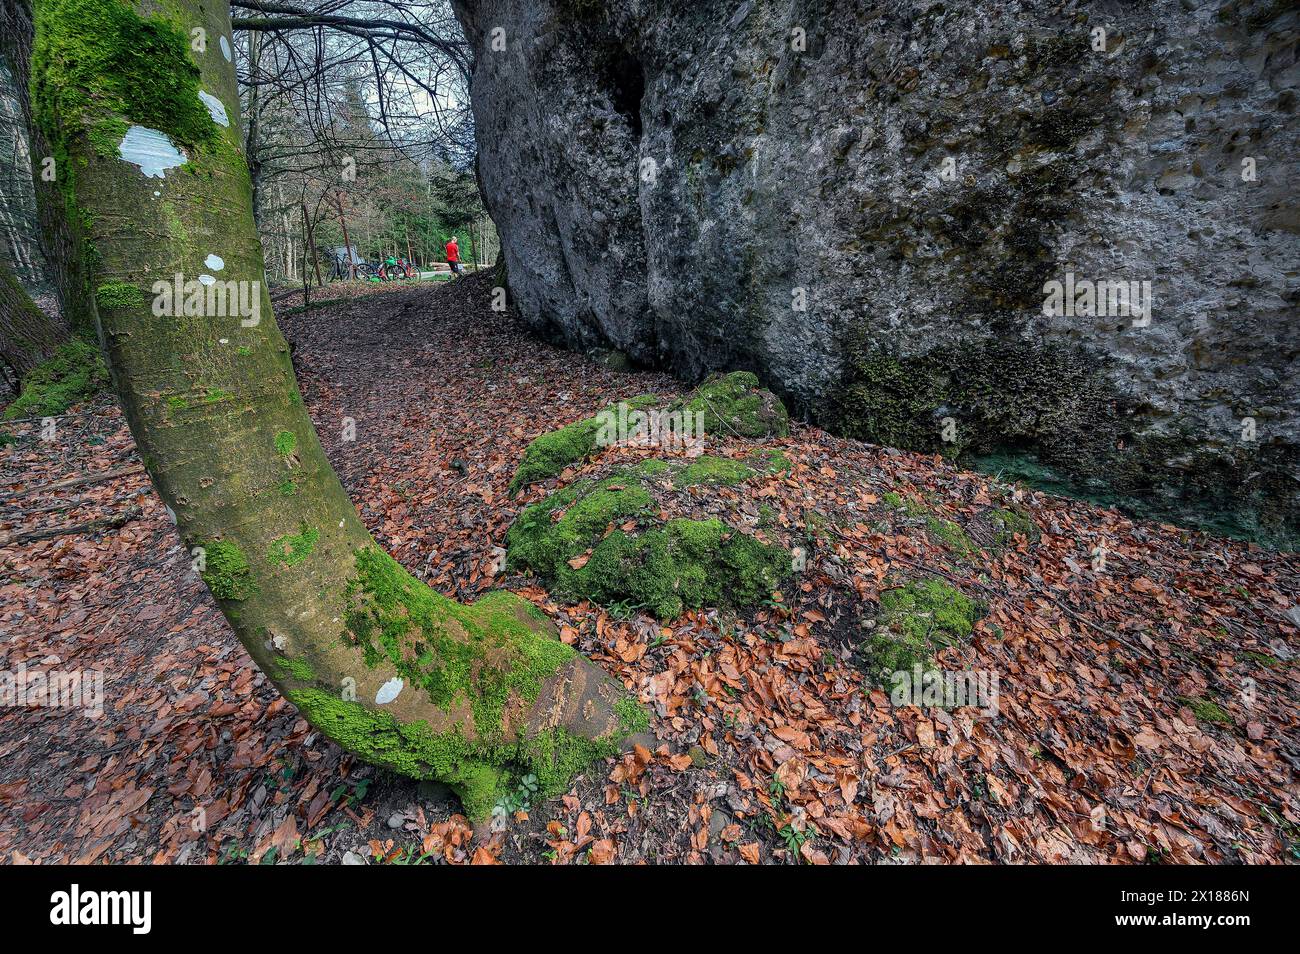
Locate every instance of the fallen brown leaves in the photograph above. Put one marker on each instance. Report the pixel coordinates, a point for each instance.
(1102, 748)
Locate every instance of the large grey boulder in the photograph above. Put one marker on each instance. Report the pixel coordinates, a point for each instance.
(865, 203)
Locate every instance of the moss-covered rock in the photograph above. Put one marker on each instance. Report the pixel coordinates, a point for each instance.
(916, 621)
(549, 454)
(736, 404)
(601, 540)
(75, 372)
(714, 471)
(724, 405)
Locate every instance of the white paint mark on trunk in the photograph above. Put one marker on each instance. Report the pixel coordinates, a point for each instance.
(389, 691)
(207, 280)
(216, 108)
(225, 48)
(151, 150)
(215, 262)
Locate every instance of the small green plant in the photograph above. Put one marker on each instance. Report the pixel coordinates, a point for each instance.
(347, 798)
(282, 781)
(624, 609)
(520, 799)
(233, 854)
(410, 855)
(794, 838)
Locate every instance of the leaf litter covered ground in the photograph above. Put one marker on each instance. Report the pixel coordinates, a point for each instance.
(1147, 702)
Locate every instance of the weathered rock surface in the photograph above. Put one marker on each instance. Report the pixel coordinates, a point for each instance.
(766, 185)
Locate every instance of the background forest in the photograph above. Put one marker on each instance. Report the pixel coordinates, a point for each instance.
(356, 120)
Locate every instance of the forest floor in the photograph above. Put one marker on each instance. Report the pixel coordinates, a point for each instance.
(1147, 681)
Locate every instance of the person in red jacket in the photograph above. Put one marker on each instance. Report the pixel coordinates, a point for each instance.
(453, 255)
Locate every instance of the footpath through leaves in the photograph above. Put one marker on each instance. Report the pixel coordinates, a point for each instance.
(1135, 685)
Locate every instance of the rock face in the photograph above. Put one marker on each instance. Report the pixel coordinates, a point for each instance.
(866, 203)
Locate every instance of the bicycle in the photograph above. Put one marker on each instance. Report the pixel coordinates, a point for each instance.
(395, 269)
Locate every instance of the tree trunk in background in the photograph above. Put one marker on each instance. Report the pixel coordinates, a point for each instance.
(373, 658)
(61, 240)
(253, 134)
(20, 239)
(27, 335)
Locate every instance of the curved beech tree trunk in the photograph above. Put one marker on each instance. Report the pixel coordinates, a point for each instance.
(136, 109)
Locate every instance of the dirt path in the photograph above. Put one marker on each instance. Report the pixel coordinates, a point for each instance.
(1147, 709)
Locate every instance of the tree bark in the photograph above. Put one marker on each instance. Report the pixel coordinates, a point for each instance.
(374, 659)
(27, 335)
(62, 241)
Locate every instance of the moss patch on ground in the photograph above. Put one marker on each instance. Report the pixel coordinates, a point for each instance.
(896, 501)
(736, 404)
(1207, 711)
(549, 454)
(952, 535)
(713, 471)
(75, 372)
(600, 541)
(915, 622)
(1008, 524)
(726, 405)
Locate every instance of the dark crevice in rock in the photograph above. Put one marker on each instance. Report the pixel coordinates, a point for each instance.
(625, 81)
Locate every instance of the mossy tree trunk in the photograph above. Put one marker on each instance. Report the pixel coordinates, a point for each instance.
(372, 657)
(62, 246)
(27, 335)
